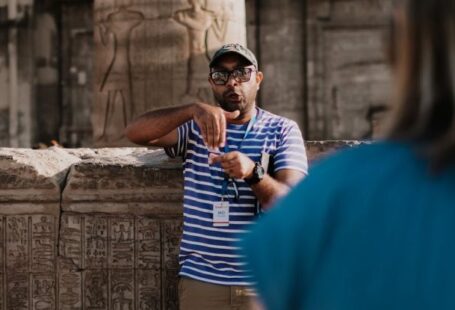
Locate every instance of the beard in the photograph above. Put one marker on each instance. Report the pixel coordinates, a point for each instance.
(231, 101)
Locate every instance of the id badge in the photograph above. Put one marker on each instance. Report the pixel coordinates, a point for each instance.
(221, 214)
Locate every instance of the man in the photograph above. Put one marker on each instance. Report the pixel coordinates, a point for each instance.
(237, 157)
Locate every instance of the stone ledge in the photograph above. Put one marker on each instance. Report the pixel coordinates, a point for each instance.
(31, 181)
(127, 180)
(77, 224)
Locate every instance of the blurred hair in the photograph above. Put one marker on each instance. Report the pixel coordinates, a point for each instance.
(422, 52)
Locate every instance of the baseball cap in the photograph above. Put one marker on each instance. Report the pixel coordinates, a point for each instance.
(236, 49)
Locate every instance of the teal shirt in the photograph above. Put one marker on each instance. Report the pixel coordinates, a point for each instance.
(369, 228)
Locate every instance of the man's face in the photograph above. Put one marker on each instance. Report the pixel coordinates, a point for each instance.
(236, 95)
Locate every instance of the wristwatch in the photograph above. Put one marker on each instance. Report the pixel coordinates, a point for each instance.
(258, 175)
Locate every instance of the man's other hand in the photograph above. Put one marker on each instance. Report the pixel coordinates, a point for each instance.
(235, 164)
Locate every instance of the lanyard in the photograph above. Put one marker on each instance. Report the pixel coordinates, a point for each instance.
(247, 131)
(226, 180)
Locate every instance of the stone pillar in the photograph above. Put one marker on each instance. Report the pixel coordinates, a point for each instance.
(280, 48)
(348, 78)
(155, 53)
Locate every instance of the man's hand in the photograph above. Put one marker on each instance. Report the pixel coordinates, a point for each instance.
(235, 164)
(212, 122)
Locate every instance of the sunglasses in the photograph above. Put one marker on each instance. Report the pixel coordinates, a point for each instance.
(240, 75)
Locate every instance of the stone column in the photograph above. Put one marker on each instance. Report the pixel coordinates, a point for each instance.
(281, 53)
(155, 53)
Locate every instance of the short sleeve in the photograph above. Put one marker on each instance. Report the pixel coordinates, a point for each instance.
(291, 153)
(179, 149)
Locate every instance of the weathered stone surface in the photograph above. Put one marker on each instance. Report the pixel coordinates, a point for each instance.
(76, 77)
(114, 245)
(347, 71)
(282, 57)
(153, 54)
(133, 181)
(33, 180)
(30, 264)
(116, 260)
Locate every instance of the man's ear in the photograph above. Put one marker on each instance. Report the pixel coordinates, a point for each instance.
(259, 78)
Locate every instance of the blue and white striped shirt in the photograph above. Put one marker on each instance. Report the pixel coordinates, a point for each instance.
(209, 253)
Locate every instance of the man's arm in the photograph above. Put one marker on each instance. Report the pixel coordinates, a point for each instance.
(271, 188)
(159, 127)
(240, 166)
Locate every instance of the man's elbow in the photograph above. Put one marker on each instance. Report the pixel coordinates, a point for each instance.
(134, 135)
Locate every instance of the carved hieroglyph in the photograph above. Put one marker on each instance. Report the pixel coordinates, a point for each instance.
(118, 262)
(155, 53)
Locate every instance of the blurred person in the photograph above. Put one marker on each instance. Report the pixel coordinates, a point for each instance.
(236, 155)
(374, 227)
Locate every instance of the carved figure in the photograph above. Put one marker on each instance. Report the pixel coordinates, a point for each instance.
(117, 81)
(95, 294)
(43, 226)
(121, 302)
(198, 20)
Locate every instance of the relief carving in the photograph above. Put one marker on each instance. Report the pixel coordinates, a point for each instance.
(148, 240)
(96, 242)
(116, 85)
(122, 290)
(153, 54)
(43, 290)
(17, 244)
(2, 243)
(172, 232)
(171, 289)
(43, 241)
(122, 245)
(17, 293)
(149, 293)
(69, 291)
(199, 20)
(96, 290)
(70, 242)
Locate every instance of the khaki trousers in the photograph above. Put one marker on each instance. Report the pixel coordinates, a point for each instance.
(198, 295)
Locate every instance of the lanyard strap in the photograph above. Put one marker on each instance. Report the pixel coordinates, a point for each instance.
(247, 131)
(226, 150)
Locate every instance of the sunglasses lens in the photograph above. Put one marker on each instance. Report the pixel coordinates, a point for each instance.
(242, 75)
(219, 78)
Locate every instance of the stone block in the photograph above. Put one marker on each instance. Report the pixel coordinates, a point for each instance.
(115, 260)
(31, 181)
(130, 180)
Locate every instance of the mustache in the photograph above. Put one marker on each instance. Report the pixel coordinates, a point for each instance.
(231, 92)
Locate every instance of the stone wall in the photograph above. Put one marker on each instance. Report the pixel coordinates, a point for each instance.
(93, 228)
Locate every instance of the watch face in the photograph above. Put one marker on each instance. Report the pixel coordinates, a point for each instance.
(260, 171)
(258, 175)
